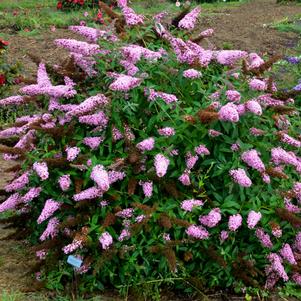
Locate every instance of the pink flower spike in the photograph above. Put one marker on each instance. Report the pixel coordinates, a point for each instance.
(235, 222)
(106, 240)
(100, 176)
(49, 208)
(161, 165)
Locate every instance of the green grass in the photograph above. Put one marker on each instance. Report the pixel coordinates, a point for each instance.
(37, 15)
(289, 25)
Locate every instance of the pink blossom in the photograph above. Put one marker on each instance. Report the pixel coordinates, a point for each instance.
(168, 98)
(49, 208)
(212, 218)
(98, 119)
(240, 177)
(256, 132)
(88, 194)
(18, 183)
(285, 138)
(297, 190)
(90, 33)
(188, 205)
(254, 60)
(31, 194)
(88, 105)
(65, 182)
(234, 222)
(190, 160)
(115, 176)
(189, 21)
(41, 169)
(76, 46)
(131, 18)
(76, 244)
(147, 188)
(229, 57)
(125, 234)
(257, 84)
(125, 213)
(116, 134)
(233, 95)
(192, 74)
(254, 107)
(12, 100)
(100, 176)
(51, 230)
(276, 265)
(214, 133)
(106, 240)
(228, 112)
(72, 153)
(224, 235)
(198, 232)
(253, 219)
(252, 159)
(167, 131)
(287, 253)
(161, 165)
(296, 277)
(93, 142)
(11, 203)
(235, 147)
(125, 83)
(202, 150)
(264, 238)
(146, 145)
(184, 179)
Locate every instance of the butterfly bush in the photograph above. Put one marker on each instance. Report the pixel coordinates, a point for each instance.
(158, 156)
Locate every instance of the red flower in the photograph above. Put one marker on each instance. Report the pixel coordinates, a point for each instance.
(59, 5)
(81, 2)
(3, 43)
(2, 79)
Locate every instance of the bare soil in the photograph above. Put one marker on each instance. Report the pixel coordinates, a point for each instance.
(248, 27)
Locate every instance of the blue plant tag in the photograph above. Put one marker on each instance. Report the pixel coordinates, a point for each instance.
(74, 261)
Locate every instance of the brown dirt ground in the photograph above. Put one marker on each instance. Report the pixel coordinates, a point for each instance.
(247, 27)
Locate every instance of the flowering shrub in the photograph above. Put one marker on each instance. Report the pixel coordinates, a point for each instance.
(9, 75)
(158, 159)
(77, 4)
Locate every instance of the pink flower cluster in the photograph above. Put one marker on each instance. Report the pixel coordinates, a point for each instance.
(240, 177)
(51, 230)
(146, 145)
(41, 169)
(168, 98)
(189, 21)
(131, 18)
(252, 159)
(212, 218)
(100, 176)
(161, 165)
(188, 205)
(65, 182)
(49, 208)
(147, 188)
(106, 240)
